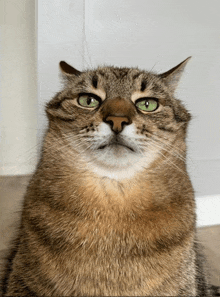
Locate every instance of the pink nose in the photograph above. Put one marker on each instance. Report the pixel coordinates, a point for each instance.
(117, 123)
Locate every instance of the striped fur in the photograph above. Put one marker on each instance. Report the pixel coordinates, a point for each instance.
(110, 209)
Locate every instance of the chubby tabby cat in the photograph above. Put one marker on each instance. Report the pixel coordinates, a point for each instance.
(110, 209)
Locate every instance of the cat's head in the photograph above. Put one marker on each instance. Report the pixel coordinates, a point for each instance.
(120, 120)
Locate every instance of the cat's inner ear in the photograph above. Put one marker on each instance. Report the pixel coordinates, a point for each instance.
(172, 76)
(68, 70)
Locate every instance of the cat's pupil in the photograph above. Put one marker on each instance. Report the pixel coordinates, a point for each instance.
(89, 100)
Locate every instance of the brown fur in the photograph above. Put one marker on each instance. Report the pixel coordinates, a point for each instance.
(84, 234)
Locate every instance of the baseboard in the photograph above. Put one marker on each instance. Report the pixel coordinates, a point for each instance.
(13, 170)
(208, 210)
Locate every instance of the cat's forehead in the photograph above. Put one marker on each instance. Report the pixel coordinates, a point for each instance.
(119, 80)
(118, 72)
(122, 74)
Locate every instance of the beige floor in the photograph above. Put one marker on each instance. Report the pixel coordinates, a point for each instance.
(13, 188)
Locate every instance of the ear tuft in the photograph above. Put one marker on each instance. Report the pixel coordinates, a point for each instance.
(172, 76)
(68, 70)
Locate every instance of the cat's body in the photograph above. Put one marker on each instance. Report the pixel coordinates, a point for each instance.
(110, 210)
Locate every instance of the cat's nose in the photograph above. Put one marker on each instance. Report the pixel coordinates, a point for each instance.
(117, 123)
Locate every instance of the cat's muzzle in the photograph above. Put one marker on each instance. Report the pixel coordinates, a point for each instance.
(117, 141)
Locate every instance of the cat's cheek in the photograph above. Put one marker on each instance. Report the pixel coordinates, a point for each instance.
(129, 131)
(103, 129)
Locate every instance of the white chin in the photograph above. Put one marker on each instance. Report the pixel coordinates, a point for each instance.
(115, 156)
(117, 151)
(117, 162)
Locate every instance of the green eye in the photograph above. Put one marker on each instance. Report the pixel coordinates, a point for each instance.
(88, 101)
(147, 104)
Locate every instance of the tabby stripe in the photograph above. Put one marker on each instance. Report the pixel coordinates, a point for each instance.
(120, 74)
(95, 81)
(46, 235)
(136, 75)
(167, 129)
(65, 119)
(101, 73)
(32, 265)
(143, 85)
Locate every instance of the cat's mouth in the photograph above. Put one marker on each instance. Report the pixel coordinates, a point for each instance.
(116, 143)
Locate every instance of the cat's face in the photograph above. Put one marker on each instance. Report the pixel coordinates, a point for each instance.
(119, 120)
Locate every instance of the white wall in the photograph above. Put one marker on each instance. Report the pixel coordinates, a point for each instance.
(18, 87)
(60, 37)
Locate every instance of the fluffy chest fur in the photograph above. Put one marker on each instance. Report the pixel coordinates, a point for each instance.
(110, 237)
(115, 243)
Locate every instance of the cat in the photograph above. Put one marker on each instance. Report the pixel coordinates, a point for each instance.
(110, 209)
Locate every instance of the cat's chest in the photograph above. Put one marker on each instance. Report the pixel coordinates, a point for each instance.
(107, 192)
(114, 240)
(107, 261)
(110, 214)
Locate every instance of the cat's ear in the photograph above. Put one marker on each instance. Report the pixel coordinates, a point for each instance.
(68, 70)
(172, 76)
